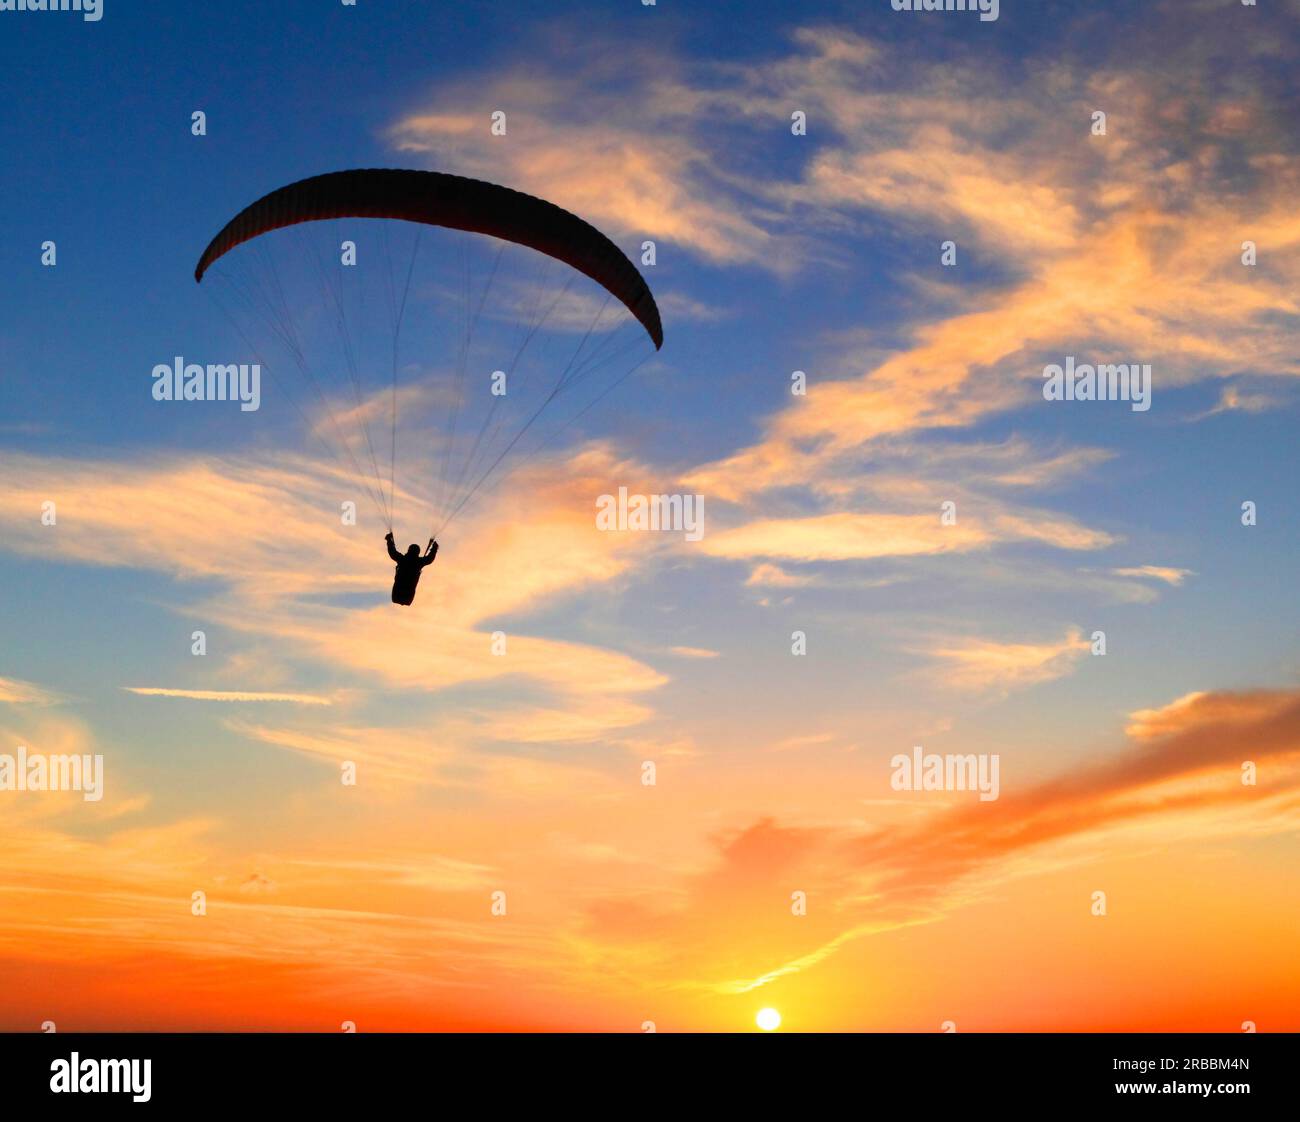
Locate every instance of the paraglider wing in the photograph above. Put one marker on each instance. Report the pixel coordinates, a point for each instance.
(453, 201)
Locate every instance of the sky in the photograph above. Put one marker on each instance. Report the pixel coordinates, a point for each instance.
(921, 550)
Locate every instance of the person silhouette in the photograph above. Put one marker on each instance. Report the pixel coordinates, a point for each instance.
(409, 567)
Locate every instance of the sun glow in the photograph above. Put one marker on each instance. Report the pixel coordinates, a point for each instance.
(768, 1020)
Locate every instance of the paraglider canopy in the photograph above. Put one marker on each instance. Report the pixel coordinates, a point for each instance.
(438, 199)
(470, 295)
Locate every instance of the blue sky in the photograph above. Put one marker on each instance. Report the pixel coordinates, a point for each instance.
(105, 165)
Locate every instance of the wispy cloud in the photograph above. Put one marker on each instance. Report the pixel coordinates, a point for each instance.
(1170, 576)
(773, 576)
(1234, 399)
(983, 664)
(846, 536)
(229, 695)
(1117, 240)
(16, 692)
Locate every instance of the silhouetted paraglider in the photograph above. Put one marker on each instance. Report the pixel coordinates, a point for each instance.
(325, 307)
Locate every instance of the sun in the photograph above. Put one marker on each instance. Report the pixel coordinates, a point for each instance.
(768, 1019)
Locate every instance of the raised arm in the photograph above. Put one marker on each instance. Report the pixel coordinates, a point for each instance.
(392, 551)
(430, 553)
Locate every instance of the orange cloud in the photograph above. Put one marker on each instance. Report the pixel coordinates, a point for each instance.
(983, 664)
(845, 536)
(15, 692)
(228, 695)
(1182, 783)
(1164, 573)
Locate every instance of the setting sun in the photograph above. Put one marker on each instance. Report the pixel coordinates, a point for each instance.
(768, 1019)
